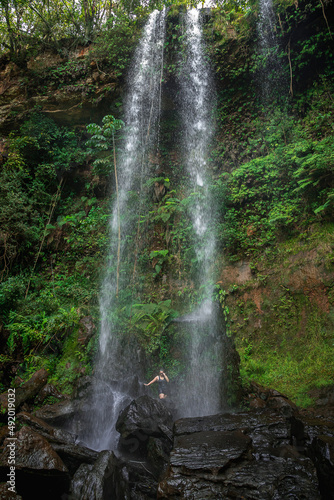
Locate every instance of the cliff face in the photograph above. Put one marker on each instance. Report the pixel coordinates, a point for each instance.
(281, 313)
(72, 91)
(275, 255)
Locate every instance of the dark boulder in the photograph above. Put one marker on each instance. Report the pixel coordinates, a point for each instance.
(146, 438)
(142, 418)
(243, 455)
(262, 397)
(113, 478)
(58, 413)
(272, 480)
(33, 451)
(322, 454)
(62, 442)
(69, 414)
(93, 482)
(158, 451)
(209, 450)
(315, 436)
(51, 433)
(28, 390)
(74, 455)
(49, 390)
(39, 471)
(278, 479)
(133, 480)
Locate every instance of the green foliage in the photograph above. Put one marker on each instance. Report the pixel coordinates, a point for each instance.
(115, 42)
(261, 202)
(33, 332)
(159, 257)
(39, 155)
(150, 321)
(85, 234)
(283, 370)
(102, 143)
(273, 180)
(74, 362)
(69, 73)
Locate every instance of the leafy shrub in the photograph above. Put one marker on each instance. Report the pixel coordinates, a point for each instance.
(115, 42)
(39, 331)
(280, 192)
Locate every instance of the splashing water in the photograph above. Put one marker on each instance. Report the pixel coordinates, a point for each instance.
(270, 77)
(200, 394)
(116, 359)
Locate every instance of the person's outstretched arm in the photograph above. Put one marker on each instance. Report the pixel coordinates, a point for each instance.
(154, 380)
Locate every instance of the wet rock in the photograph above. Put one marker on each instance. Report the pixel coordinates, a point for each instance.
(79, 480)
(32, 451)
(244, 455)
(64, 443)
(64, 413)
(315, 437)
(93, 482)
(133, 480)
(40, 472)
(74, 455)
(158, 451)
(142, 418)
(111, 477)
(261, 397)
(276, 428)
(322, 454)
(306, 428)
(208, 451)
(27, 390)
(281, 403)
(277, 480)
(47, 391)
(86, 330)
(83, 387)
(58, 413)
(52, 434)
(257, 403)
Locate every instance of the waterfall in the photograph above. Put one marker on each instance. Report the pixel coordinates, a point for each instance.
(270, 74)
(117, 359)
(142, 109)
(200, 394)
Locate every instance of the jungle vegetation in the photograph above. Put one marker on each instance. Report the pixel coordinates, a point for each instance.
(273, 184)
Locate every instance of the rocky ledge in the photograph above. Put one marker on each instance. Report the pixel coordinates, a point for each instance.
(258, 454)
(271, 451)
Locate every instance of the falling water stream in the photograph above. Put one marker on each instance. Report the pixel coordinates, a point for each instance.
(116, 359)
(270, 75)
(200, 393)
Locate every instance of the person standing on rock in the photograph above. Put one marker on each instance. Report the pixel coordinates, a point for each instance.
(162, 380)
